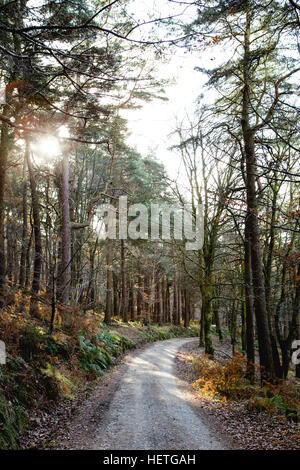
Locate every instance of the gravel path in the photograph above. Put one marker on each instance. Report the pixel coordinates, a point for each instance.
(149, 411)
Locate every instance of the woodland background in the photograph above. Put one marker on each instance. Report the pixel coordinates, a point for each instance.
(68, 71)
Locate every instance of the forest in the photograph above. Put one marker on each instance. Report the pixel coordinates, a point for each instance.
(80, 285)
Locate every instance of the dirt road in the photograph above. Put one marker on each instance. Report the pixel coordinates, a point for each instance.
(149, 411)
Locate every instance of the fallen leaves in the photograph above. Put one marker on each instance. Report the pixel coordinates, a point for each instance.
(249, 430)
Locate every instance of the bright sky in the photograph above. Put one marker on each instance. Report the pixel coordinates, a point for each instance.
(151, 126)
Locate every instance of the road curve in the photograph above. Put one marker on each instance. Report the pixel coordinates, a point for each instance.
(149, 411)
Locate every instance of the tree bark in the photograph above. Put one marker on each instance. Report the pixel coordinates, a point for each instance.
(186, 308)
(139, 299)
(24, 232)
(217, 320)
(175, 313)
(124, 310)
(66, 233)
(116, 296)
(35, 286)
(249, 306)
(3, 167)
(264, 338)
(109, 283)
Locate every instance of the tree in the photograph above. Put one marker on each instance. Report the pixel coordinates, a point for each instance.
(210, 189)
(256, 53)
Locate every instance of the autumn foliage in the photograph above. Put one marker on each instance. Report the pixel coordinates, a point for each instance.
(227, 381)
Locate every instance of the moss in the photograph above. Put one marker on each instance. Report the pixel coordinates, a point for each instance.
(59, 383)
(30, 342)
(34, 343)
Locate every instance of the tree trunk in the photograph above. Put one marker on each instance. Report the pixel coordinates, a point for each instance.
(159, 303)
(90, 292)
(27, 270)
(109, 283)
(35, 286)
(243, 329)
(66, 233)
(264, 338)
(24, 232)
(116, 296)
(186, 308)
(146, 312)
(233, 326)
(206, 312)
(168, 307)
(296, 313)
(175, 314)
(131, 307)
(249, 307)
(124, 310)
(3, 165)
(217, 320)
(139, 299)
(201, 325)
(179, 304)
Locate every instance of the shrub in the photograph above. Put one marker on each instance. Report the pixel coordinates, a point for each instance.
(30, 343)
(93, 358)
(64, 385)
(157, 333)
(34, 342)
(123, 342)
(108, 340)
(225, 381)
(100, 351)
(179, 330)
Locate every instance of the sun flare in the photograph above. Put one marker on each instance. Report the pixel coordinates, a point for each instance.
(48, 147)
(45, 148)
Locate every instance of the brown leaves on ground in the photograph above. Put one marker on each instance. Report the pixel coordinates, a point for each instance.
(253, 417)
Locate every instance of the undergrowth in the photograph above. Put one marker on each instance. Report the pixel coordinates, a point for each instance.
(154, 333)
(227, 381)
(99, 352)
(42, 369)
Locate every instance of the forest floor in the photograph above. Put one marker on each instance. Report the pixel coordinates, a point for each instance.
(139, 404)
(156, 409)
(49, 422)
(246, 428)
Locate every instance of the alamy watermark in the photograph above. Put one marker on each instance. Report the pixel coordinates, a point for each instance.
(296, 352)
(154, 222)
(2, 95)
(2, 353)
